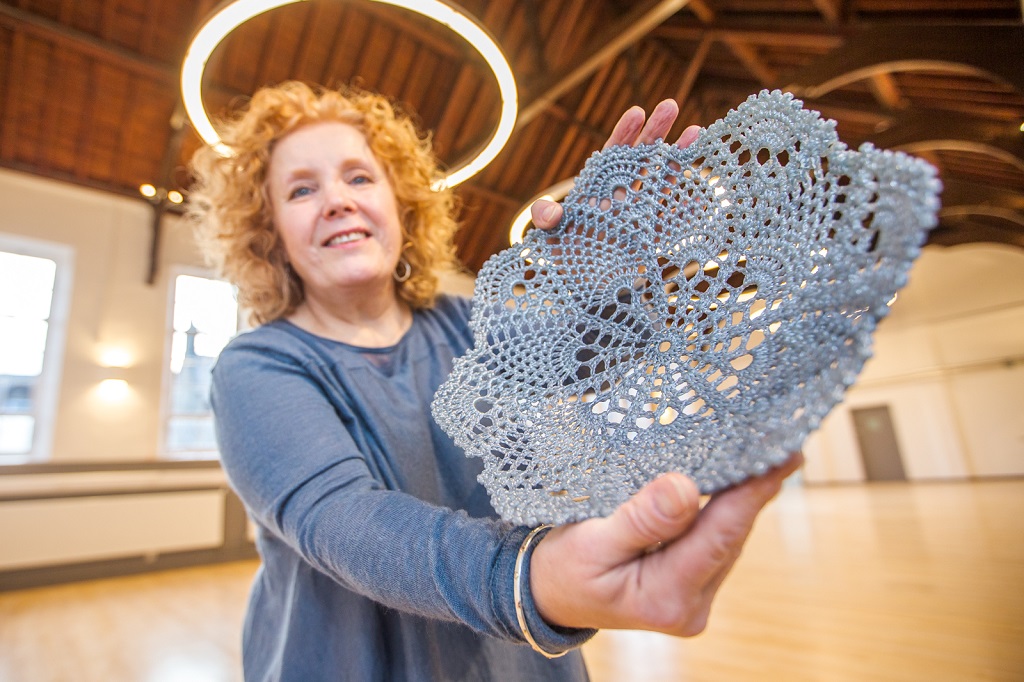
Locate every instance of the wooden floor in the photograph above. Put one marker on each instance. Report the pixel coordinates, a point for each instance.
(880, 582)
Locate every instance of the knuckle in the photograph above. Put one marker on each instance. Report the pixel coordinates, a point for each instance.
(641, 524)
(725, 548)
(680, 617)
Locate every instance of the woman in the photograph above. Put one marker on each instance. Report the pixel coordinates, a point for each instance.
(382, 557)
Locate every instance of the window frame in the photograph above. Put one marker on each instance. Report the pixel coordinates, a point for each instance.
(47, 398)
(167, 379)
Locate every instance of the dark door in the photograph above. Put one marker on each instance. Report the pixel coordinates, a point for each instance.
(878, 446)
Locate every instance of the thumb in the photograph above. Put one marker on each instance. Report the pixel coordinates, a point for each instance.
(660, 512)
(545, 214)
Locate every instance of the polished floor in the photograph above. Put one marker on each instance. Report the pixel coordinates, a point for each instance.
(877, 582)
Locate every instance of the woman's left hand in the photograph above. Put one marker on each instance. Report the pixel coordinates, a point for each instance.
(633, 128)
(602, 573)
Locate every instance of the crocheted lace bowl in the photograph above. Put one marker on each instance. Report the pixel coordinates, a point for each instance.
(697, 310)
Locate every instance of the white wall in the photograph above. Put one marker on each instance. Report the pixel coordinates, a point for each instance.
(949, 359)
(111, 308)
(949, 363)
(36, 533)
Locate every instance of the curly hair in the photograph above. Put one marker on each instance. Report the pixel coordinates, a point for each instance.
(230, 208)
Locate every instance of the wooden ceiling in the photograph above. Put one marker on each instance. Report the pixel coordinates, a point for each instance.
(89, 87)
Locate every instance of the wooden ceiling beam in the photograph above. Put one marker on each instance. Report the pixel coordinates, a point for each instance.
(983, 51)
(964, 146)
(831, 10)
(66, 11)
(491, 195)
(970, 211)
(769, 34)
(928, 124)
(703, 11)
(534, 33)
(51, 31)
(21, 21)
(576, 120)
(607, 45)
(575, 14)
(887, 92)
(70, 179)
(960, 192)
(440, 43)
(577, 126)
(730, 92)
(693, 68)
(954, 230)
(9, 137)
(751, 60)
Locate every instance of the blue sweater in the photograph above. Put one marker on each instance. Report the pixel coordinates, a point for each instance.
(382, 557)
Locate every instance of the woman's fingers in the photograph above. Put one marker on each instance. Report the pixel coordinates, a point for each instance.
(688, 136)
(600, 573)
(660, 122)
(660, 512)
(581, 573)
(635, 128)
(726, 521)
(632, 128)
(627, 128)
(545, 214)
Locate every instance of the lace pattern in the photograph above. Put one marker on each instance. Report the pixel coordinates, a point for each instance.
(697, 310)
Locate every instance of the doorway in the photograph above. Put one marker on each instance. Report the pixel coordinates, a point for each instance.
(878, 447)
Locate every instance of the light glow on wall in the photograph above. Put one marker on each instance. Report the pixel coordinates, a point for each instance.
(116, 356)
(113, 390)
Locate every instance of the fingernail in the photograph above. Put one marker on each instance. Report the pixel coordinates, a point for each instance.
(671, 501)
(549, 212)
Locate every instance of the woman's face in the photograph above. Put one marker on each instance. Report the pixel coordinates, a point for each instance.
(334, 207)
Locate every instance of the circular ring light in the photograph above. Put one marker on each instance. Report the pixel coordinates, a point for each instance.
(237, 13)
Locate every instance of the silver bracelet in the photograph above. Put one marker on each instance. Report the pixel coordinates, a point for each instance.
(517, 592)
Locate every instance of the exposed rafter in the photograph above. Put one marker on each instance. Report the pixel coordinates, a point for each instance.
(611, 42)
(749, 57)
(693, 69)
(955, 230)
(928, 129)
(886, 91)
(960, 193)
(831, 10)
(772, 33)
(85, 95)
(27, 23)
(885, 49)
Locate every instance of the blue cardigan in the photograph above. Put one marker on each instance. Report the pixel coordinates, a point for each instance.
(382, 557)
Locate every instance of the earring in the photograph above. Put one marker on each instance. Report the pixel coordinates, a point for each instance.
(404, 268)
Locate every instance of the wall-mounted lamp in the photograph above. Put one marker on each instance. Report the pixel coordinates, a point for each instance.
(113, 390)
(114, 364)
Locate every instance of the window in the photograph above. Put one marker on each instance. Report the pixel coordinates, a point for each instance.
(204, 317)
(34, 288)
